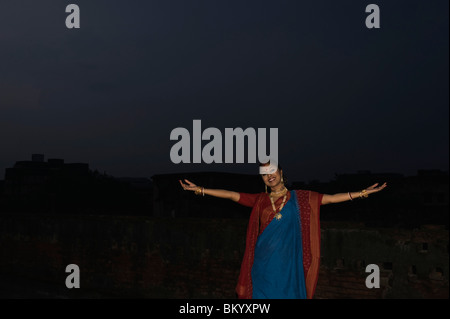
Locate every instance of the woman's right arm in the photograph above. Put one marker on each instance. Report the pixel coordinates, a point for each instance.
(221, 193)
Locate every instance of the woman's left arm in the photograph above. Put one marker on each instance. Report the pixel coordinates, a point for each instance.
(343, 197)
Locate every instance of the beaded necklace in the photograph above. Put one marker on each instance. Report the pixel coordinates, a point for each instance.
(278, 215)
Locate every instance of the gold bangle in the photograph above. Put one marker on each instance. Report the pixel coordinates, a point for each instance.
(200, 191)
(363, 193)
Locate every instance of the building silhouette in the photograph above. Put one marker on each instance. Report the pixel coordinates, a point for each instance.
(54, 186)
(59, 187)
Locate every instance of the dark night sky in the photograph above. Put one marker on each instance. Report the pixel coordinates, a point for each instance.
(343, 97)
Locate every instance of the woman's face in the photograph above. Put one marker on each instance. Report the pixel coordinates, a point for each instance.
(272, 180)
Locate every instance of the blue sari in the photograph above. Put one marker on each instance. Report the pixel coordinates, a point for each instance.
(277, 271)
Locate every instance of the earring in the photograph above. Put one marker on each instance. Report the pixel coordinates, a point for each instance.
(282, 180)
(266, 188)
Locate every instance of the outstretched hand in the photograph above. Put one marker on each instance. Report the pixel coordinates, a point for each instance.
(189, 186)
(374, 189)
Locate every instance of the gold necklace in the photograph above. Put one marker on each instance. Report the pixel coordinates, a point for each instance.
(279, 192)
(277, 215)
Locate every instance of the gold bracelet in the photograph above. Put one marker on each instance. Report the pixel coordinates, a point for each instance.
(200, 191)
(363, 193)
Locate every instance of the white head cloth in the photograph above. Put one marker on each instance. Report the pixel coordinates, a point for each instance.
(268, 169)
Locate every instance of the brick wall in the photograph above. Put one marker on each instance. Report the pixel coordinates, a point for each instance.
(145, 257)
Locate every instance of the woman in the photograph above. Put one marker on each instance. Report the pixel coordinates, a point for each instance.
(281, 258)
